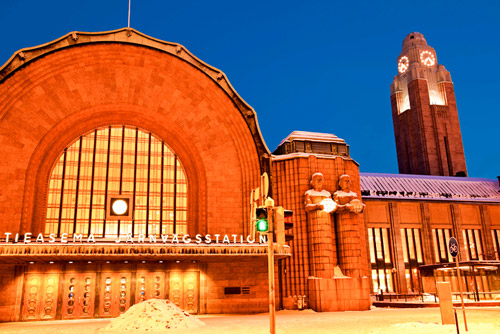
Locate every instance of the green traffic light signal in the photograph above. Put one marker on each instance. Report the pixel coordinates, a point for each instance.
(262, 225)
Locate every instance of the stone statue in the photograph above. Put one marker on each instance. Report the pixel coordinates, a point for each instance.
(319, 228)
(314, 196)
(347, 200)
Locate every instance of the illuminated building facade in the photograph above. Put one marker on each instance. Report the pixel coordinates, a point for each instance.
(91, 118)
(94, 119)
(424, 112)
(410, 219)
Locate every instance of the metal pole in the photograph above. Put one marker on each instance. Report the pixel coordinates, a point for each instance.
(461, 296)
(129, 13)
(456, 320)
(270, 261)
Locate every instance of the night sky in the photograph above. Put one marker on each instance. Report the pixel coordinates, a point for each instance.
(320, 66)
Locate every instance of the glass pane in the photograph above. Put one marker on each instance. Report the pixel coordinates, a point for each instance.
(378, 244)
(411, 246)
(404, 242)
(372, 245)
(387, 250)
(477, 238)
(442, 242)
(416, 233)
(466, 244)
(436, 247)
(496, 241)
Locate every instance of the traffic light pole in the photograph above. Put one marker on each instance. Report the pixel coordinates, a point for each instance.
(270, 267)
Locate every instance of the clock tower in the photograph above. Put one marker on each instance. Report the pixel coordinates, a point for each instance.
(424, 113)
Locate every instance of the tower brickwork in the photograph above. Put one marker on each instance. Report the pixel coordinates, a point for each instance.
(424, 112)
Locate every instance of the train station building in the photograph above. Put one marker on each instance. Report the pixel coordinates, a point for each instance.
(128, 169)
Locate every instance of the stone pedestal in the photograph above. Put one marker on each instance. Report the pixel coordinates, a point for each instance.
(351, 241)
(321, 244)
(339, 294)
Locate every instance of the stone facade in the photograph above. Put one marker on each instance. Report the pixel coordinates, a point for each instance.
(424, 112)
(55, 94)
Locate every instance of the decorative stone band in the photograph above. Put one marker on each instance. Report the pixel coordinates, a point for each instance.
(22, 253)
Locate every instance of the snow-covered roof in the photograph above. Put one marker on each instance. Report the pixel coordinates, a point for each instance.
(313, 136)
(404, 186)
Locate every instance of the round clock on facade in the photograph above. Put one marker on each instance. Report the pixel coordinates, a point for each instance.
(403, 64)
(427, 58)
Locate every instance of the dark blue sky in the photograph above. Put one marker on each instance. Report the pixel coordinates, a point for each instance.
(321, 66)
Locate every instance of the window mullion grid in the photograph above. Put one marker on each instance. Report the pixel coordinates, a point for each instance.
(107, 180)
(148, 186)
(92, 183)
(77, 184)
(62, 194)
(175, 194)
(121, 175)
(161, 186)
(135, 179)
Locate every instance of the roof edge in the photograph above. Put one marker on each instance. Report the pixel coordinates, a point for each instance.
(131, 36)
(435, 177)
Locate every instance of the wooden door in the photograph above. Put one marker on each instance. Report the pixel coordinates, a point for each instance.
(149, 285)
(78, 295)
(184, 289)
(40, 297)
(115, 294)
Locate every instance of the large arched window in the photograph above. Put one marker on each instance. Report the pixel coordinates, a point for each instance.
(110, 161)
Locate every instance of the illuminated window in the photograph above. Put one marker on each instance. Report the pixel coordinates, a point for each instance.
(412, 252)
(117, 160)
(381, 259)
(440, 237)
(496, 242)
(473, 245)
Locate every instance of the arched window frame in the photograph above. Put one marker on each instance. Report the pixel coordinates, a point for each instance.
(79, 185)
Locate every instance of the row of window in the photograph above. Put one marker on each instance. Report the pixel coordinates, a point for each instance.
(381, 253)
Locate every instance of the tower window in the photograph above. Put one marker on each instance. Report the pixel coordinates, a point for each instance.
(115, 162)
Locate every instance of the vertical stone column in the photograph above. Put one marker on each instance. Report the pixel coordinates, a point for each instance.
(398, 256)
(427, 244)
(488, 247)
(353, 254)
(319, 229)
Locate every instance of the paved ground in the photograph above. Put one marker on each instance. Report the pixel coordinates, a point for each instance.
(383, 321)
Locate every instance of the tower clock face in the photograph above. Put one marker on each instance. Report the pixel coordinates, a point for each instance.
(427, 58)
(403, 64)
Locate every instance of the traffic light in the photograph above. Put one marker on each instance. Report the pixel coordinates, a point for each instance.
(261, 223)
(281, 225)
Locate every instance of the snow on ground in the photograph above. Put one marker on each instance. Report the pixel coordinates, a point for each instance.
(153, 315)
(376, 321)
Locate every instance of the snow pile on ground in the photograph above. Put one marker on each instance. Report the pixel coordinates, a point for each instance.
(154, 315)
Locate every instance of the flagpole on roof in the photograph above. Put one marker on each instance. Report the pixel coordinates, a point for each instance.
(129, 13)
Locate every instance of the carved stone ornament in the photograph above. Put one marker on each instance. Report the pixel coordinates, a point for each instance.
(317, 198)
(347, 200)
